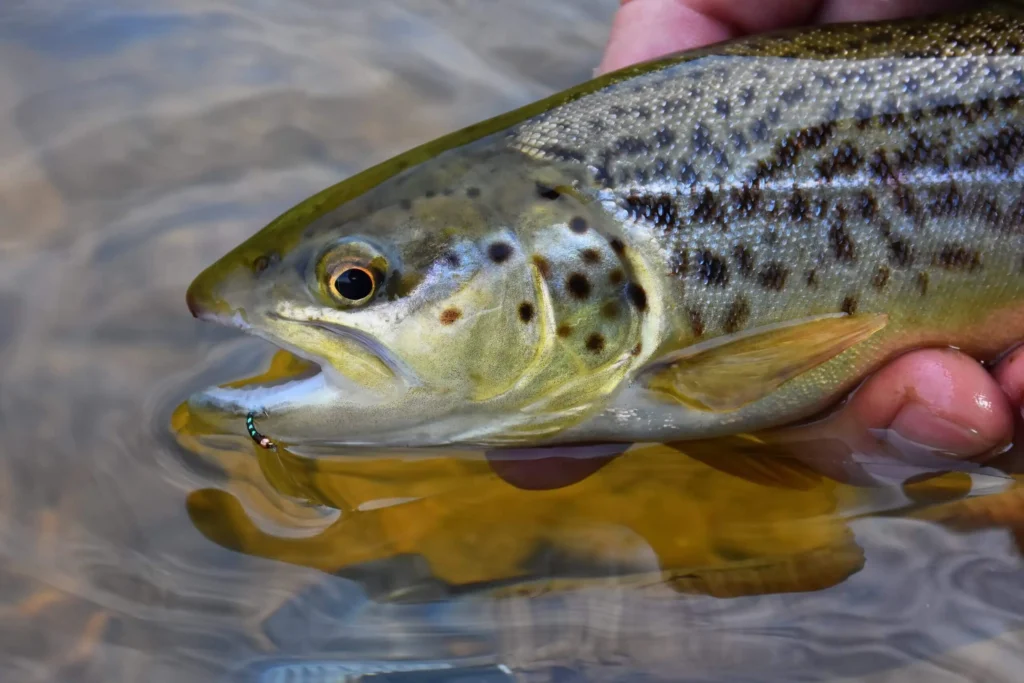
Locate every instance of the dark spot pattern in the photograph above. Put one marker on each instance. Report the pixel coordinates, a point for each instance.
(617, 246)
(578, 225)
(526, 311)
(811, 278)
(881, 278)
(637, 296)
(958, 257)
(744, 259)
(578, 285)
(736, 316)
(657, 209)
(922, 283)
(773, 276)
(696, 322)
(610, 310)
(450, 315)
(499, 252)
(842, 246)
(595, 342)
(473, 192)
(451, 259)
(564, 331)
(901, 253)
(616, 277)
(712, 269)
(548, 192)
(849, 305)
(590, 256)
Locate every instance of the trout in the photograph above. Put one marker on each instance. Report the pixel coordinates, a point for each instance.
(721, 241)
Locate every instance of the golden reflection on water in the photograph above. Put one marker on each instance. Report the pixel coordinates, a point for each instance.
(655, 515)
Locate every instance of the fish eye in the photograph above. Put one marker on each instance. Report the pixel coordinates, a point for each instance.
(351, 283)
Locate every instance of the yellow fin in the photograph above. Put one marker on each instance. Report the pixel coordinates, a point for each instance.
(729, 372)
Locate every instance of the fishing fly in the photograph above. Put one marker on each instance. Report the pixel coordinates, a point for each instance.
(261, 441)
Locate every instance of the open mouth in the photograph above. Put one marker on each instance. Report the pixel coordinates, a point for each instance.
(290, 381)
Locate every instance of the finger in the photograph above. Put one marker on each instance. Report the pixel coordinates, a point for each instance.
(646, 29)
(880, 10)
(1010, 375)
(937, 398)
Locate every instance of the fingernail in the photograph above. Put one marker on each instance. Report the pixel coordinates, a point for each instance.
(920, 425)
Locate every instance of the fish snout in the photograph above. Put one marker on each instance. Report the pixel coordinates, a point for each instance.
(206, 300)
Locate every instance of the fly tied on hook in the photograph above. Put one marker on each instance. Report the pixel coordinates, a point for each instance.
(261, 441)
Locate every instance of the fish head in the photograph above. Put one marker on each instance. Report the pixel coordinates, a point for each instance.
(474, 298)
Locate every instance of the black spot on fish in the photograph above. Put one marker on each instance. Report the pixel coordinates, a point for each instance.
(849, 305)
(744, 259)
(616, 277)
(696, 322)
(706, 210)
(881, 278)
(657, 209)
(665, 137)
(430, 194)
(773, 276)
(843, 247)
(737, 315)
(451, 259)
(610, 310)
(637, 296)
(712, 269)
(595, 343)
(472, 192)
(901, 253)
(547, 192)
(499, 252)
(958, 257)
(564, 331)
(617, 246)
(578, 285)
(590, 256)
(526, 311)
(811, 278)
(922, 283)
(578, 225)
(450, 315)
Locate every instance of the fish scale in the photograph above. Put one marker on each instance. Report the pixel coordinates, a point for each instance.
(777, 185)
(719, 241)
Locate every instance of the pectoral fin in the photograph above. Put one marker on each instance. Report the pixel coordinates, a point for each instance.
(729, 372)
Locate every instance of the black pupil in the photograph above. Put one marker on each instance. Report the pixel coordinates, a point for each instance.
(354, 284)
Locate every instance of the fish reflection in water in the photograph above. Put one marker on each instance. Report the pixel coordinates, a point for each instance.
(723, 518)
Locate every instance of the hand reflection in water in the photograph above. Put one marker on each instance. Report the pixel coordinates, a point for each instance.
(939, 399)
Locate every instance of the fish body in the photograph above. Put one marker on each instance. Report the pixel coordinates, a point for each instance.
(719, 241)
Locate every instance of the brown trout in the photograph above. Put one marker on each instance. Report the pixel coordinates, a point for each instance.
(720, 241)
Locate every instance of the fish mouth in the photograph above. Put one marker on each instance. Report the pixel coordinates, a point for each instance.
(360, 370)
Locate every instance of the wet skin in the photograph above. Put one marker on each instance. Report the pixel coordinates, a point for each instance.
(938, 398)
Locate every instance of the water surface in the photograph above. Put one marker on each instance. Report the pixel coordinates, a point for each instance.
(138, 145)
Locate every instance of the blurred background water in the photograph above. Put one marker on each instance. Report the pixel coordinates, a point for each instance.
(136, 145)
